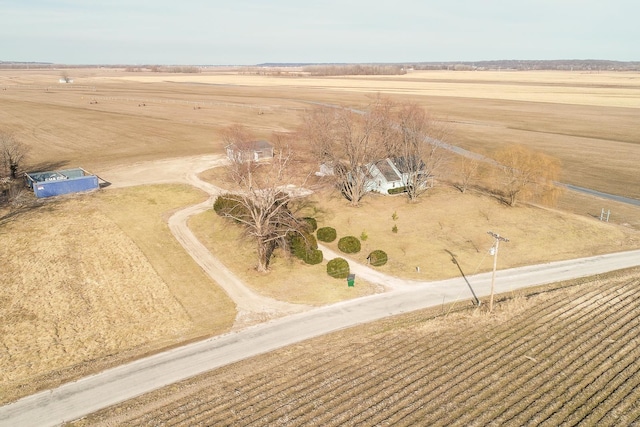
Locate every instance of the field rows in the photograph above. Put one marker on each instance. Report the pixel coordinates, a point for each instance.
(568, 357)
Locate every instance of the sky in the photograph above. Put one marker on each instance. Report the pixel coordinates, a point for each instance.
(248, 32)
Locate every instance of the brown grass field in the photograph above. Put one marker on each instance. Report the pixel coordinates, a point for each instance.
(564, 354)
(90, 281)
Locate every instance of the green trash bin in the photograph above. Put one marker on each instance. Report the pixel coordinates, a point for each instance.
(351, 279)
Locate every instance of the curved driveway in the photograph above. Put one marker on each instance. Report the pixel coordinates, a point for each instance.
(86, 395)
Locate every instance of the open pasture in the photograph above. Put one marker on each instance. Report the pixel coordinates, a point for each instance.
(565, 354)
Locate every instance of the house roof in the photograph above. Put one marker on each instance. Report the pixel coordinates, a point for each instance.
(252, 145)
(408, 164)
(388, 171)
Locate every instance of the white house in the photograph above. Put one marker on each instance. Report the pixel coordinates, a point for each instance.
(251, 151)
(384, 176)
(387, 176)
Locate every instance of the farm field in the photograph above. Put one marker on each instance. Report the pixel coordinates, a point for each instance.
(565, 353)
(133, 290)
(91, 281)
(587, 120)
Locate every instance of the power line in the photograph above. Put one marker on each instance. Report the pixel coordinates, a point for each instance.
(494, 250)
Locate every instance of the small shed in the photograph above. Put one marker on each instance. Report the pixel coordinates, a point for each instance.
(56, 183)
(251, 151)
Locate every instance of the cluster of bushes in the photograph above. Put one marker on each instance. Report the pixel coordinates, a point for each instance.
(339, 267)
(303, 244)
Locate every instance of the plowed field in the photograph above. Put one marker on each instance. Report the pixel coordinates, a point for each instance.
(565, 356)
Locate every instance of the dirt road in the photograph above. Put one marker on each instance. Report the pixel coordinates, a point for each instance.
(252, 308)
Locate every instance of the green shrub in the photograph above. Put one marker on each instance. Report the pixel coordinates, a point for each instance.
(313, 257)
(300, 244)
(229, 205)
(397, 190)
(338, 268)
(394, 228)
(327, 234)
(349, 245)
(377, 258)
(364, 236)
(313, 224)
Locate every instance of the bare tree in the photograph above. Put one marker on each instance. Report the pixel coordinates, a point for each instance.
(12, 154)
(468, 169)
(65, 77)
(417, 148)
(266, 203)
(348, 142)
(524, 174)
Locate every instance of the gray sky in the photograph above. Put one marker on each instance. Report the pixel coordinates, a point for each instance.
(240, 32)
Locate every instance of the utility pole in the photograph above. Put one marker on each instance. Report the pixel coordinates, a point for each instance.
(497, 238)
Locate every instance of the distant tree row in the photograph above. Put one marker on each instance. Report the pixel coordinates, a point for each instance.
(523, 65)
(354, 70)
(163, 69)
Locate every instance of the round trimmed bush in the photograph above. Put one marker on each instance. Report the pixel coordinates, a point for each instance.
(338, 268)
(313, 224)
(327, 234)
(349, 245)
(313, 257)
(300, 244)
(377, 258)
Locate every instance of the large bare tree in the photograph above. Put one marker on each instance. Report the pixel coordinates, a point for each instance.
(468, 170)
(350, 142)
(416, 147)
(525, 174)
(12, 154)
(347, 141)
(266, 201)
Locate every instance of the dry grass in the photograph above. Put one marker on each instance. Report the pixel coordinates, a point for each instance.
(89, 277)
(289, 279)
(558, 354)
(447, 220)
(622, 214)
